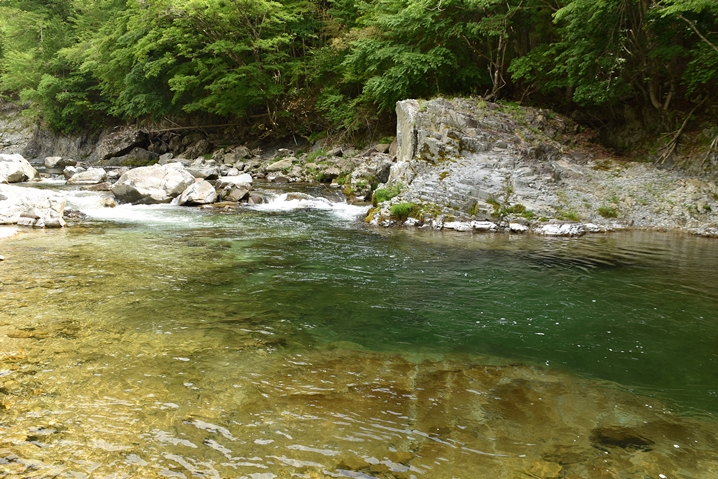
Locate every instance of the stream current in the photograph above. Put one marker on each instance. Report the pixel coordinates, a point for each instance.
(290, 340)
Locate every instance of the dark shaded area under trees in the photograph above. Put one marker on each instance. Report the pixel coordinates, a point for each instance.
(634, 69)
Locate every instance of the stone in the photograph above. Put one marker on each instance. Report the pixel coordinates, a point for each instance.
(331, 173)
(119, 142)
(70, 171)
(278, 179)
(285, 164)
(104, 186)
(15, 169)
(206, 173)
(115, 174)
(199, 193)
(236, 193)
(233, 172)
(255, 199)
(545, 470)
(59, 162)
(237, 155)
(560, 229)
(153, 184)
(225, 181)
(458, 225)
(336, 152)
(382, 147)
(518, 228)
(91, 176)
(165, 158)
(31, 207)
(484, 226)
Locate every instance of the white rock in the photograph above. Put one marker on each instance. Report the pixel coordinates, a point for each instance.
(560, 229)
(458, 225)
(15, 169)
(199, 193)
(518, 228)
(225, 181)
(31, 207)
(90, 177)
(152, 184)
(484, 226)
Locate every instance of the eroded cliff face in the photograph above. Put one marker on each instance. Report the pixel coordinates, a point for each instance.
(463, 160)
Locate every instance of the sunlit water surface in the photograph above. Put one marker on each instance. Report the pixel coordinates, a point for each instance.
(289, 340)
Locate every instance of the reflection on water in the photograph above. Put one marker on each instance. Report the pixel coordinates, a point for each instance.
(292, 342)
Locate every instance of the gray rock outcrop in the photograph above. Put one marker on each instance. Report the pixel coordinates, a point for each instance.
(152, 184)
(119, 142)
(31, 207)
(15, 169)
(463, 161)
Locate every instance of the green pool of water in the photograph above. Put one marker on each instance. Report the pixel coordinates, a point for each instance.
(167, 342)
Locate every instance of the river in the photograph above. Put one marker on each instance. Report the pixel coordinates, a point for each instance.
(290, 340)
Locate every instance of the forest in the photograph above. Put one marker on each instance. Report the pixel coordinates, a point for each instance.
(317, 67)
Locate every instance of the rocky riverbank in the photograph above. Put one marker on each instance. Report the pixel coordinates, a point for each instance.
(470, 165)
(461, 164)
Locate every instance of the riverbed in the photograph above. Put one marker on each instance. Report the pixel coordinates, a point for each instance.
(290, 340)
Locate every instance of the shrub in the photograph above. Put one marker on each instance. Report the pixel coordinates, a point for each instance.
(608, 212)
(385, 194)
(402, 211)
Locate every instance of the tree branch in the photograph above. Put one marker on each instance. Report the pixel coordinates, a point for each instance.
(695, 29)
(671, 147)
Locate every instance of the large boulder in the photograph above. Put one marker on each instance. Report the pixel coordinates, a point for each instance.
(90, 177)
(199, 193)
(153, 184)
(15, 169)
(31, 207)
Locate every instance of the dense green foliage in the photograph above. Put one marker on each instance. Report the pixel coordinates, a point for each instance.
(311, 65)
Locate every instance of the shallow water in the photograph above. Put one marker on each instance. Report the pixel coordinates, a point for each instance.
(288, 340)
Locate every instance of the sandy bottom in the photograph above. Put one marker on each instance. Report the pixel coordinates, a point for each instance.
(331, 413)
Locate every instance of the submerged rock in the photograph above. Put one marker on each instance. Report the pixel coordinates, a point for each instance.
(153, 184)
(31, 207)
(15, 169)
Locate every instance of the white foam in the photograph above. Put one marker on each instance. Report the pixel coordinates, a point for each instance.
(93, 204)
(53, 181)
(342, 210)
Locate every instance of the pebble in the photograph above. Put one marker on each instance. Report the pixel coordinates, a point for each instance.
(2, 258)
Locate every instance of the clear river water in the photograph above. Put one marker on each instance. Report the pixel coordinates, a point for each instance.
(290, 340)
